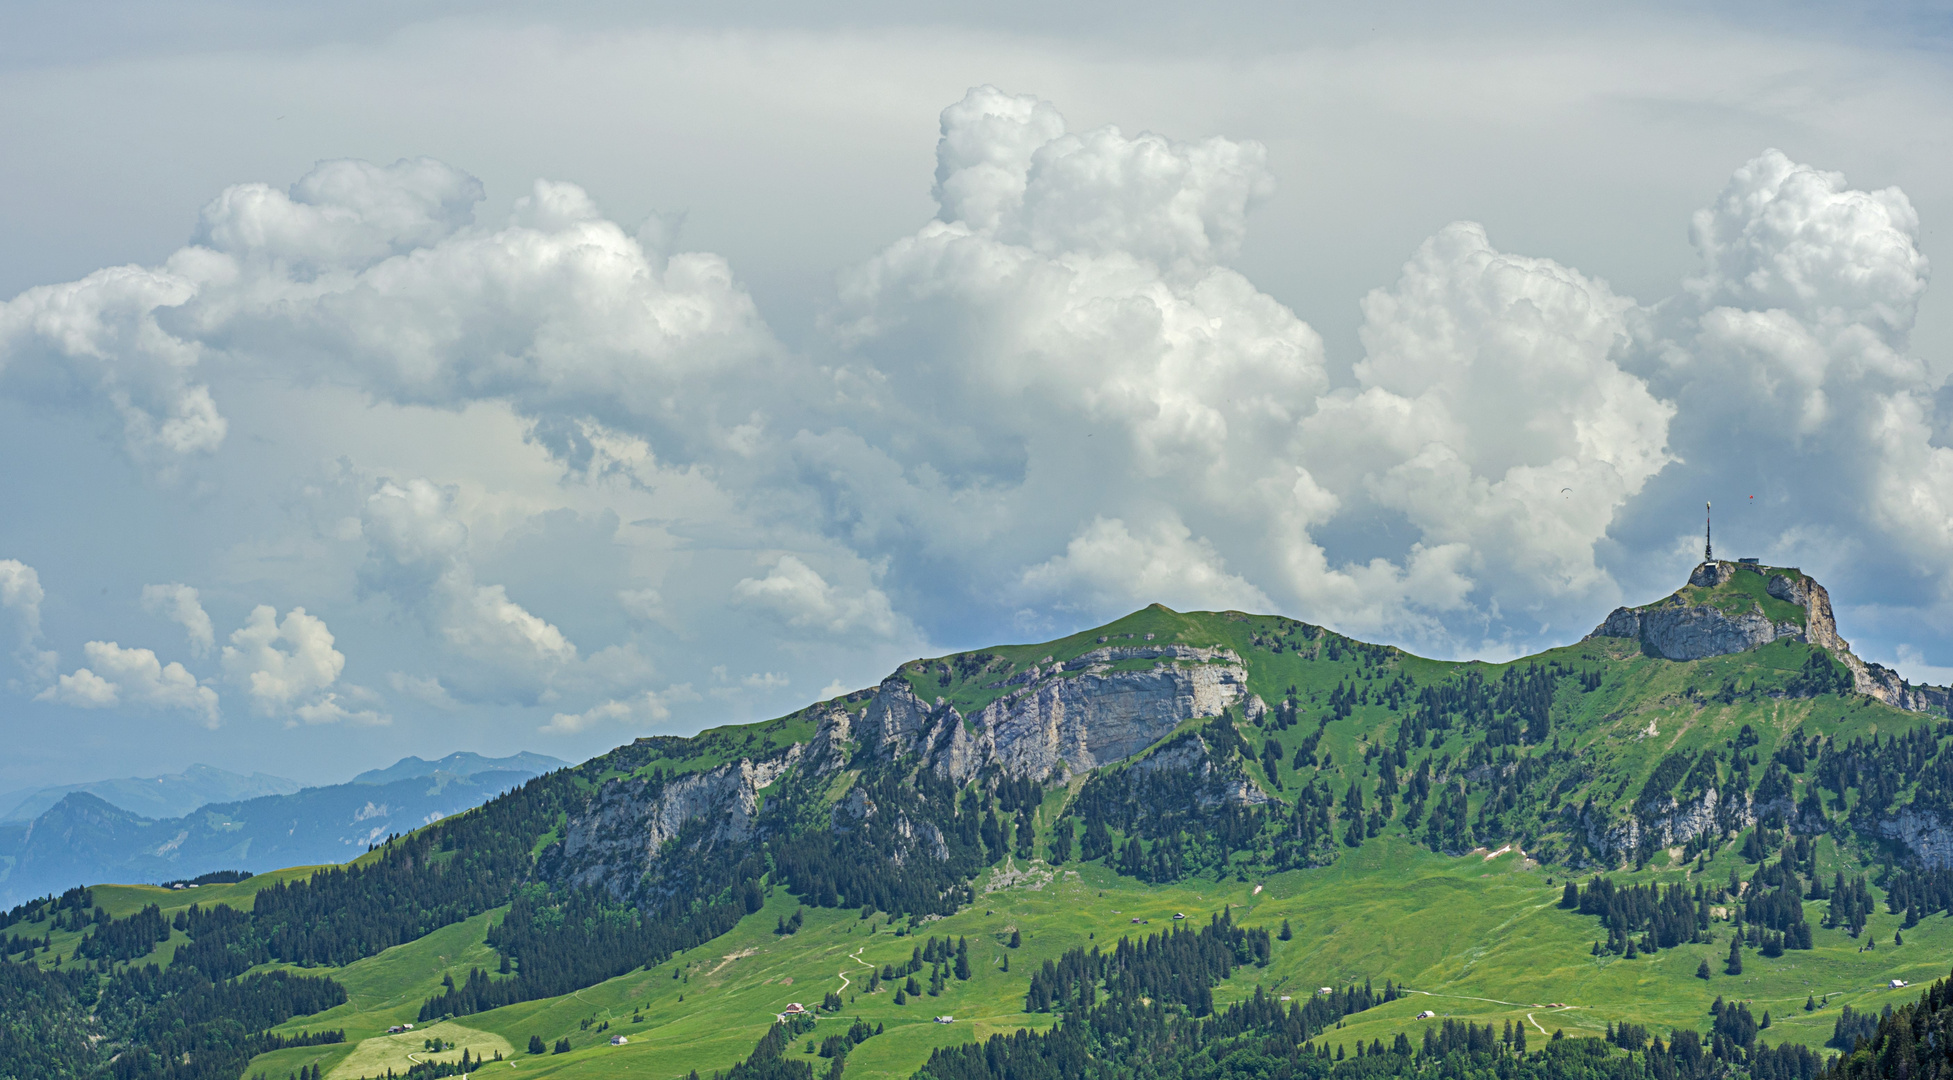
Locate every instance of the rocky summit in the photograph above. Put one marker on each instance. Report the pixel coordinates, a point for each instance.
(1733, 607)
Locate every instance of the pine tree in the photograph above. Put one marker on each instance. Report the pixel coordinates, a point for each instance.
(536, 1045)
(1810, 1003)
(962, 958)
(1702, 971)
(1287, 933)
(1016, 938)
(1735, 966)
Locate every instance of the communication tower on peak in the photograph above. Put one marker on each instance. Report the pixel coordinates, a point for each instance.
(1708, 535)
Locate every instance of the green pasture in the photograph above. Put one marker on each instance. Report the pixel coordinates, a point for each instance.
(1479, 936)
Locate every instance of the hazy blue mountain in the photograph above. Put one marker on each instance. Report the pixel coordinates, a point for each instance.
(460, 763)
(171, 795)
(86, 839)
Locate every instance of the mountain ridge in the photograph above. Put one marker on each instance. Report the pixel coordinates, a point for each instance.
(168, 795)
(1166, 758)
(84, 838)
(460, 763)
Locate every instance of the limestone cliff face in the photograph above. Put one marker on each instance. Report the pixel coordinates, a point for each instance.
(1076, 722)
(1056, 720)
(624, 829)
(1677, 630)
(1683, 632)
(1066, 718)
(1922, 832)
(1669, 821)
(1876, 680)
(1216, 784)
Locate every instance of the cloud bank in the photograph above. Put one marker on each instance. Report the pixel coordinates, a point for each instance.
(1055, 400)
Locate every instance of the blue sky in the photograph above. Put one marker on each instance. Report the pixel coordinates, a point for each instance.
(449, 377)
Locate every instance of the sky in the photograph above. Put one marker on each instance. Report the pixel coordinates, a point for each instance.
(429, 377)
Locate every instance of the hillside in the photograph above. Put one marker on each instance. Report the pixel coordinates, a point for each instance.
(1414, 825)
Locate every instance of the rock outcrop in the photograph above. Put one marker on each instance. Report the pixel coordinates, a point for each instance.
(1669, 821)
(1056, 720)
(1216, 784)
(1665, 824)
(1065, 718)
(1692, 632)
(1922, 832)
(620, 835)
(1676, 629)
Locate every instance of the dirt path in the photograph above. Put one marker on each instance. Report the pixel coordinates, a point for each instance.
(856, 957)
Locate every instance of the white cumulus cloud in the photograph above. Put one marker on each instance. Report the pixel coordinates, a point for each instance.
(418, 554)
(1109, 566)
(288, 667)
(799, 594)
(21, 594)
(645, 709)
(179, 604)
(1490, 412)
(379, 275)
(1054, 399)
(135, 678)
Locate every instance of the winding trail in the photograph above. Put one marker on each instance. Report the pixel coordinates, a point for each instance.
(856, 957)
(1542, 1030)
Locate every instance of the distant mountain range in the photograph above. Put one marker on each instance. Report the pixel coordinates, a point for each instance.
(171, 795)
(93, 833)
(460, 763)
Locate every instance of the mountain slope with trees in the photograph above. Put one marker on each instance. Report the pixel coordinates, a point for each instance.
(1704, 804)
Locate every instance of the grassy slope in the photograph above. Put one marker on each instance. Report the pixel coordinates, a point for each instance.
(1483, 936)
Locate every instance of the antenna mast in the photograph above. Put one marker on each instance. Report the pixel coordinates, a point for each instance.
(1708, 535)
